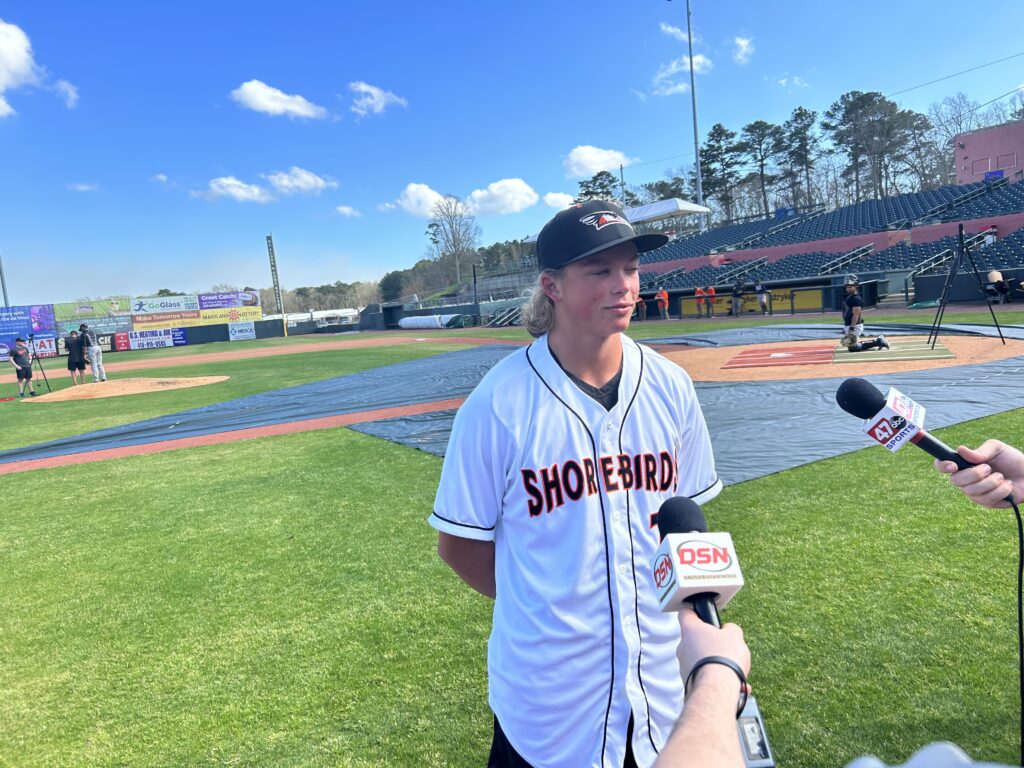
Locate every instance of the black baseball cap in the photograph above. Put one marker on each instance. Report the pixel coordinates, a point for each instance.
(588, 228)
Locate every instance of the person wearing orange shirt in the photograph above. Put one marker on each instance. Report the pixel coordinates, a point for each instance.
(662, 298)
(710, 301)
(699, 295)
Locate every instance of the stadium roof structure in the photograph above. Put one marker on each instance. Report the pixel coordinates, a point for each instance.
(663, 209)
(644, 214)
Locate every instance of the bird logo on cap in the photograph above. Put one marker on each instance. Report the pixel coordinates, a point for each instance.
(601, 219)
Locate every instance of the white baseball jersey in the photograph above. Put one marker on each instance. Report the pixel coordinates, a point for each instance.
(569, 492)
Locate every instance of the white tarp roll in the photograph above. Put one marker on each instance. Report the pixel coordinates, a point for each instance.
(425, 321)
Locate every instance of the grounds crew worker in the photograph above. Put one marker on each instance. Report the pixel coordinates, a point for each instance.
(662, 298)
(556, 467)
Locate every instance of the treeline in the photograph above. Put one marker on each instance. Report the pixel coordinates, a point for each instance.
(863, 146)
(453, 249)
(337, 295)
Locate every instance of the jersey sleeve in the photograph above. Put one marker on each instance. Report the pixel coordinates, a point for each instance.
(698, 478)
(475, 473)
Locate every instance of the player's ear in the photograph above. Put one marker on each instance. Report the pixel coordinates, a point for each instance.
(551, 286)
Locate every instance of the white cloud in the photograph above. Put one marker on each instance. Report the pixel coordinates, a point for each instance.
(298, 181)
(500, 197)
(160, 178)
(744, 49)
(372, 99)
(68, 92)
(417, 199)
(796, 81)
(665, 83)
(639, 94)
(558, 200)
(260, 97)
(671, 31)
(348, 212)
(17, 67)
(83, 187)
(584, 161)
(229, 186)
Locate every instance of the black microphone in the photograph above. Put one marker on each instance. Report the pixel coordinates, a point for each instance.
(863, 400)
(682, 515)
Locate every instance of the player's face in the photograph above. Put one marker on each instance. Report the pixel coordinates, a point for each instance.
(597, 296)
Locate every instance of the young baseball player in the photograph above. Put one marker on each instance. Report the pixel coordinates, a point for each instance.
(853, 323)
(555, 470)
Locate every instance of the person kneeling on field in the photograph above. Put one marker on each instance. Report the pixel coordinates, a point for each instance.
(853, 325)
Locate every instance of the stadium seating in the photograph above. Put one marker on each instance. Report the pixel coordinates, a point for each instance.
(903, 256)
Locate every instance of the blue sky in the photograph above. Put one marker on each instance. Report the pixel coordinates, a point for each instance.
(148, 145)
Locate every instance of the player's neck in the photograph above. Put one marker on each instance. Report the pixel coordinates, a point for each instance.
(594, 359)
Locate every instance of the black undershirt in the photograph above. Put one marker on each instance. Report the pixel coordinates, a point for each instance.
(607, 396)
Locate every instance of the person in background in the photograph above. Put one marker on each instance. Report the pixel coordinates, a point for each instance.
(853, 323)
(662, 298)
(699, 295)
(94, 352)
(709, 301)
(76, 357)
(21, 359)
(641, 308)
(737, 297)
(762, 297)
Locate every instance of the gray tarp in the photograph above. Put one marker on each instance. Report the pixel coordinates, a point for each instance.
(794, 422)
(418, 381)
(765, 334)
(758, 428)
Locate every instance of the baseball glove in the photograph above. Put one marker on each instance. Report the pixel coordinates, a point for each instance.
(850, 340)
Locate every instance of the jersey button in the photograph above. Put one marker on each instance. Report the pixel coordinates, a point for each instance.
(622, 569)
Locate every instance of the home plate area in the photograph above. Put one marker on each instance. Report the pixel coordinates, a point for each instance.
(901, 348)
(767, 357)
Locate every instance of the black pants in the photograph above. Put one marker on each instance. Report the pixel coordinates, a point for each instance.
(504, 756)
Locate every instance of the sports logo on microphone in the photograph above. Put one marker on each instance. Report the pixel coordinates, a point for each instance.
(897, 422)
(662, 571)
(704, 556)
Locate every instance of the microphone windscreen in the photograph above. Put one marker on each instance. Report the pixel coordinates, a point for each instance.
(680, 515)
(860, 398)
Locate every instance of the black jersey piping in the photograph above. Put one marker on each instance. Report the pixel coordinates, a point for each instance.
(607, 555)
(632, 562)
(462, 525)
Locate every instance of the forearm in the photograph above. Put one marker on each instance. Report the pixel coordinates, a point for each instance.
(472, 561)
(706, 736)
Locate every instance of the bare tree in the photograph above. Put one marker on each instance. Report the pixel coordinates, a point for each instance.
(453, 233)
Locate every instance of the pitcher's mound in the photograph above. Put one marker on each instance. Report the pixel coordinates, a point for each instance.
(118, 387)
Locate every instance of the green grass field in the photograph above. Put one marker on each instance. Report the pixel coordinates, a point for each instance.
(278, 602)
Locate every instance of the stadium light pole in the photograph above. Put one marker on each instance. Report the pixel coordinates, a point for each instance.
(696, 134)
(3, 282)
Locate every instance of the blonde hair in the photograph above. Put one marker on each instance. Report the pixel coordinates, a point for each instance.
(539, 310)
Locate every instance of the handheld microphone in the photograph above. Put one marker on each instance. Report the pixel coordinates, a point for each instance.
(691, 564)
(894, 420)
(701, 568)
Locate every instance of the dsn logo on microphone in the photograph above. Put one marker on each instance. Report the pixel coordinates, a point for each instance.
(704, 556)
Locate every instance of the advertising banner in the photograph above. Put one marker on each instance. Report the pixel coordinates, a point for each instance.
(23, 321)
(161, 304)
(151, 339)
(108, 316)
(161, 320)
(241, 331)
(229, 299)
(231, 315)
(179, 336)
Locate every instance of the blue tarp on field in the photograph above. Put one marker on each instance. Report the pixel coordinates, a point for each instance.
(794, 422)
